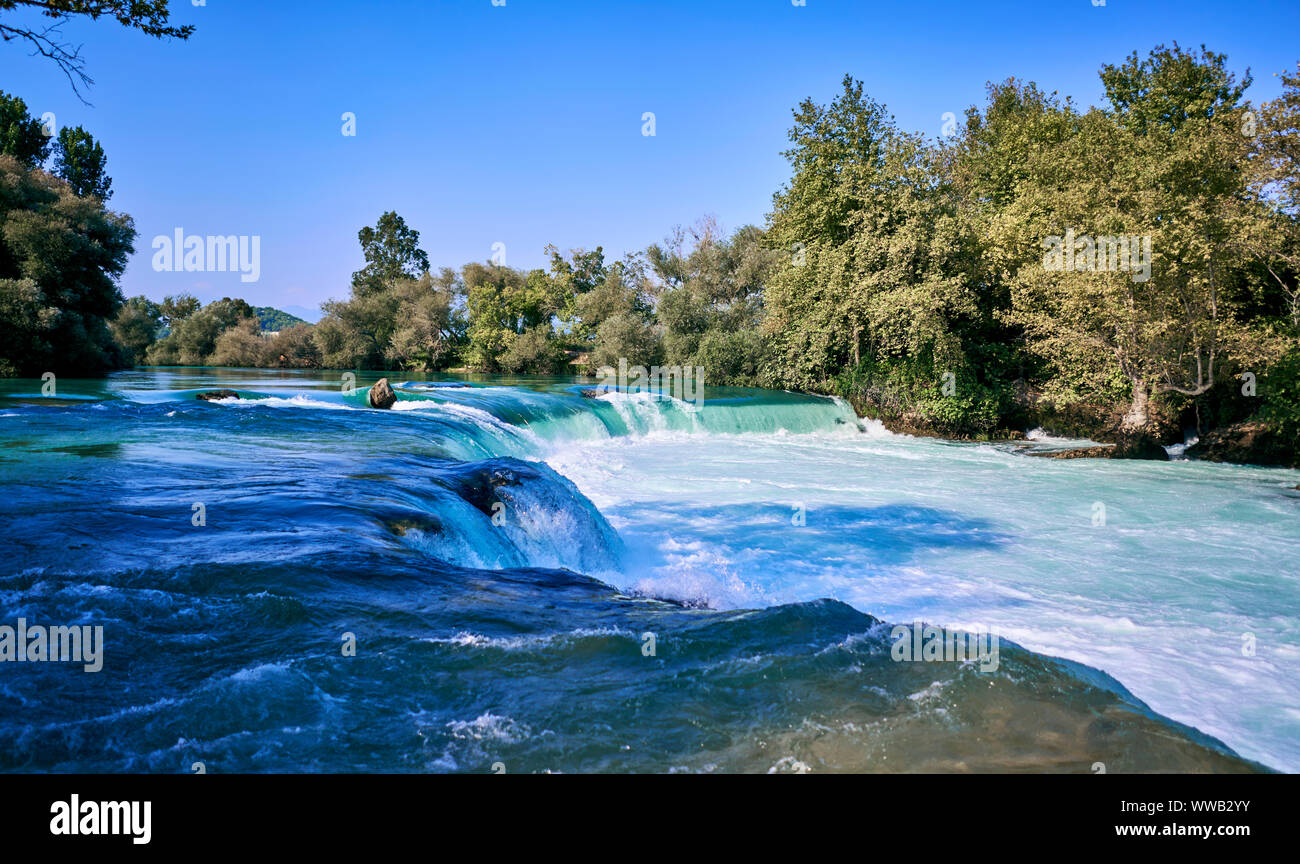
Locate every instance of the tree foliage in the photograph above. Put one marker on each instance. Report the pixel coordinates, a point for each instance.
(79, 159)
(392, 251)
(21, 135)
(60, 257)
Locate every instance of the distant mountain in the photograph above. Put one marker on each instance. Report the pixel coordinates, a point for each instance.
(311, 316)
(274, 319)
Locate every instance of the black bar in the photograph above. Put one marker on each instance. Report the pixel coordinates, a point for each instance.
(302, 813)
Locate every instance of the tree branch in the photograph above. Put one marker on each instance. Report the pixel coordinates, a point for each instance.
(67, 58)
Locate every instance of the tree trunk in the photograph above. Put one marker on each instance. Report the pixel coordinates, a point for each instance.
(1135, 421)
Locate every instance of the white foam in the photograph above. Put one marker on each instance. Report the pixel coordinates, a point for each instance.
(300, 400)
(1157, 594)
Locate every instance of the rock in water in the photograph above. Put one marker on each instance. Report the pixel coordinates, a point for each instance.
(209, 395)
(1247, 443)
(1140, 447)
(381, 395)
(1135, 447)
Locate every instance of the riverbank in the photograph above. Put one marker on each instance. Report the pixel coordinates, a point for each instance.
(1249, 442)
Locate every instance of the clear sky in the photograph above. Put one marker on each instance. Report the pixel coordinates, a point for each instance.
(522, 124)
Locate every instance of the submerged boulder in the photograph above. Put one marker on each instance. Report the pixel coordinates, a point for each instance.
(381, 395)
(209, 395)
(478, 484)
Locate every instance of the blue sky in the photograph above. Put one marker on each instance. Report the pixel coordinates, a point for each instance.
(521, 124)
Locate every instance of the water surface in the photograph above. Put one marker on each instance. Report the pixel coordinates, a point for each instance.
(501, 548)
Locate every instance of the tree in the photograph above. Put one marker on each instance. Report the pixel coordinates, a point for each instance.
(709, 299)
(193, 339)
(392, 251)
(60, 258)
(625, 336)
(176, 308)
(1274, 178)
(569, 280)
(136, 327)
(838, 155)
(1165, 164)
(356, 333)
(150, 17)
(294, 348)
(21, 135)
(534, 351)
(240, 344)
(79, 159)
(502, 303)
(875, 293)
(428, 327)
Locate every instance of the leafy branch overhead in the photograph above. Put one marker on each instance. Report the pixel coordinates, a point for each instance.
(46, 39)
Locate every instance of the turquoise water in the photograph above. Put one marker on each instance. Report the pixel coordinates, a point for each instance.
(501, 548)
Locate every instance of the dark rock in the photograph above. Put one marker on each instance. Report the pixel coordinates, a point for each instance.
(1136, 447)
(1140, 447)
(1099, 452)
(424, 523)
(1250, 443)
(479, 486)
(209, 395)
(1104, 423)
(381, 395)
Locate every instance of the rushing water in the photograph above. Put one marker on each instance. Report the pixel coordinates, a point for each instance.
(549, 578)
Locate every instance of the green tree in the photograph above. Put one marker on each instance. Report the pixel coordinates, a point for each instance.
(570, 279)
(502, 303)
(21, 135)
(193, 340)
(240, 344)
(1274, 178)
(136, 327)
(79, 159)
(429, 327)
(535, 351)
(1164, 160)
(837, 156)
(392, 251)
(294, 348)
(176, 308)
(875, 293)
(60, 258)
(709, 299)
(625, 336)
(357, 333)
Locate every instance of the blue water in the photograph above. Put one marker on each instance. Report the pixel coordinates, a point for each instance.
(537, 580)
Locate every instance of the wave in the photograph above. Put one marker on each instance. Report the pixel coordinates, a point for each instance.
(544, 670)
